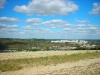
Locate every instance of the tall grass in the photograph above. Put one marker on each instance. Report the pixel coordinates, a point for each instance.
(16, 64)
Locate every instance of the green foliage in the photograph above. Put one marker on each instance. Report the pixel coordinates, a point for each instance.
(3, 46)
(9, 65)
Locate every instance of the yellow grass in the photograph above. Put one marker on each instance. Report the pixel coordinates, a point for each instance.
(18, 55)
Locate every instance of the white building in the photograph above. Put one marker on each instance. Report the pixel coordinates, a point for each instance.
(70, 41)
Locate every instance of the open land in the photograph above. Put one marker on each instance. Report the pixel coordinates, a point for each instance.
(18, 55)
(82, 62)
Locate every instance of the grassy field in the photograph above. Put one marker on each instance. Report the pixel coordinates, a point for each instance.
(18, 55)
(19, 63)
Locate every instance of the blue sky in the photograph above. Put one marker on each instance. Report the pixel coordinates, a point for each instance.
(50, 19)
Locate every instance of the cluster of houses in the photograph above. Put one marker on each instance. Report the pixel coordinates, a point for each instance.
(70, 41)
(81, 43)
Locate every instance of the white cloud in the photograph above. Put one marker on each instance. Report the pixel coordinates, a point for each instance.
(9, 28)
(21, 32)
(14, 26)
(81, 25)
(12, 30)
(67, 29)
(88, 29)
(34, 21)
(96, 9)
(47, 7)
(82, 21)
(93, 28)
(56, 23)
(81, 28)
(42, 30)
(8, 19)
(3, 26)
(2, 3)
(90, 25)
(29, 28)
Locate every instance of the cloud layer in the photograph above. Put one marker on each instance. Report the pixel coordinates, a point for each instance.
(47, 7)
(53, 28)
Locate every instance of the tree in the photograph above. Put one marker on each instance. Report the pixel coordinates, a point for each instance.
(2, 46)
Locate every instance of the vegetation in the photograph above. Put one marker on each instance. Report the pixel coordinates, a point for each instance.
(7, 44)
(16, 64)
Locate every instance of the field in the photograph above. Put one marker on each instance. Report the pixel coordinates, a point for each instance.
(80, 62)
(18, 55)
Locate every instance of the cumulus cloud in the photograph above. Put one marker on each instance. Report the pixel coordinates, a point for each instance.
(21, 32)
(88, 29)
(96, 9)
(3, 26)
(47, 7)
(2, 3)
(67, 29)
(81, 25)
(81, 28)
(8, 27)
(8, 19)
(12, 30)
(93, 28)
(42, 29)
(81, 21)
(13, 26)
(34, 21)
(29, 28)
(56, 23)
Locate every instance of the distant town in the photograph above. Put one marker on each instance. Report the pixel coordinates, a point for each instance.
(13, 45)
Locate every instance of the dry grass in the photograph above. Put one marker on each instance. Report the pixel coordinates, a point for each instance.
(92, 69)
(16, 64)
(18, 55)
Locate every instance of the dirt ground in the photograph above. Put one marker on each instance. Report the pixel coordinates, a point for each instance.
(82, 67)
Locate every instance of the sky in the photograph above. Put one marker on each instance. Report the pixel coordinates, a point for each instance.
(50, 19)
